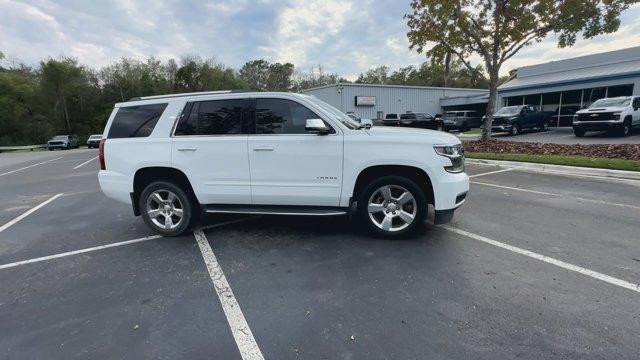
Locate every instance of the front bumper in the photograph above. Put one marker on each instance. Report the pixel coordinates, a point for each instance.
(501, 128)
(57, 146)
(604, 125)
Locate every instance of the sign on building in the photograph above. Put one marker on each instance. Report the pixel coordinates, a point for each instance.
(365, 101)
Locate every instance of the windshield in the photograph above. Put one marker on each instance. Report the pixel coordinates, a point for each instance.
(612, 102)
(449, 114)
(391, 116)
(60, 137)
(336, 114)
(508, 110)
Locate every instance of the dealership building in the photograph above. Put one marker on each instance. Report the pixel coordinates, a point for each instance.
(372, 101)
(565, 86)
(558, 87)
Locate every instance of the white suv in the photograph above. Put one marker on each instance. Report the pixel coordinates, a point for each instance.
(174, 157)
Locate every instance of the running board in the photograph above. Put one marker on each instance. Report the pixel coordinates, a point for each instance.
(275, 210)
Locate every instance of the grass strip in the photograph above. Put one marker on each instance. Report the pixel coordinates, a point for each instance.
(569, 160)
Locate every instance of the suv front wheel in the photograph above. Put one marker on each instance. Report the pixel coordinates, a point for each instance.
(392, 206)
(166, 208)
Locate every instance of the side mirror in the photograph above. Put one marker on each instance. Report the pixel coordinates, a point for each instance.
(316, 126)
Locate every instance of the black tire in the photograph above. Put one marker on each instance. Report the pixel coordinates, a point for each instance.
(398, 185)
(186, 203)
(578, 132)
(464, 127)
(625, 129)
(515, 129)
(544, 126)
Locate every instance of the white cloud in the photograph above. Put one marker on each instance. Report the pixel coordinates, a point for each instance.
(345, 36)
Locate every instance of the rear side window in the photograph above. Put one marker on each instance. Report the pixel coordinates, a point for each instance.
(408, 116)
(280, 116)
(135, 121)
(215, 117)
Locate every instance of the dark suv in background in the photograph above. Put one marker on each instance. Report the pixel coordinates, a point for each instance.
(462, 120)
(420, 120)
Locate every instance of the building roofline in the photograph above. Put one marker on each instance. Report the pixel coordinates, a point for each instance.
(395, 86)
(600, 54)
(569, 82)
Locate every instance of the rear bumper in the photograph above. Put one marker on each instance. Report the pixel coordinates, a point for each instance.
(115, 186)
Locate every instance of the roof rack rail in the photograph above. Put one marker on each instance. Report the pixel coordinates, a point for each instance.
(187, 94)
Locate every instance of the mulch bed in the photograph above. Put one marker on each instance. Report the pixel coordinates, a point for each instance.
(612, 151)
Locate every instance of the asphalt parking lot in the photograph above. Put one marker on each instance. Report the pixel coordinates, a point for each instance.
(564, 135)
(533, 266)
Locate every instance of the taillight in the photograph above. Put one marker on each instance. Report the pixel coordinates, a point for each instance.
(101, 154)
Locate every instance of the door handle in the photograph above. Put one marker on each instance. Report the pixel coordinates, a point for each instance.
(187, 149)
(264, 148)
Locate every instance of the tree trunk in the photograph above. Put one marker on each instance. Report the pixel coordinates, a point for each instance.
(493, 94)
(447, 69)
(66, 115)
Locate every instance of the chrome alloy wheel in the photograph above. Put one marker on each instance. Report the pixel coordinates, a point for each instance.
(164, 209)
(392, 208)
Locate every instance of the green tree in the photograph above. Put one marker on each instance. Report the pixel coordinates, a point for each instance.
(261, 75)
(316, 76)
(495, 30)
(376, 75)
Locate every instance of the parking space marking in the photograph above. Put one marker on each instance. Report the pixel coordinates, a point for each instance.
(86, 162)
(76, 252)
(30, 166)
(491, 172)
(28, 212)
(579, 269)
(558, 195)
(239, 328)
(101, 247)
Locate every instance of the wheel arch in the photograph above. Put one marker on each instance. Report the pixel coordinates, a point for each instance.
(416, 174)
(147, 175)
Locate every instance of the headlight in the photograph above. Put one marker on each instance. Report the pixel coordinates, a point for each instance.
(455, 153)
(617, 114)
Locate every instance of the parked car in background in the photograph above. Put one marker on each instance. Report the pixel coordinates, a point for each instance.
(65, 142)
(361, 121)
(391, 120)
(420, 120)
(462, 120)
(315, 161)
(515, 119)
(616, 115)
(94, 141)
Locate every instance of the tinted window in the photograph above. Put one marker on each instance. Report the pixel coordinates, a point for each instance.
(408, 116)
(216, 117)
(391, 116)
(136, 121)
(188, 124)
(221, 117)
(279, 116)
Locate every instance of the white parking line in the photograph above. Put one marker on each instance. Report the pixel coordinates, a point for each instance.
(558, 195)
(30, 166)
(95, 248)
(579, 269)
(28, 212)
(491, 172)
(239, 328)
(86, 162)
(76, 252)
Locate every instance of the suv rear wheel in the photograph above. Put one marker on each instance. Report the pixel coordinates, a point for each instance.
(166, 208)
(392, 206)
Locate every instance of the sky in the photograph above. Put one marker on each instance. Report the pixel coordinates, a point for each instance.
(344, 36)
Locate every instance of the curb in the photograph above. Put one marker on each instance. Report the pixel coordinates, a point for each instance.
(561, 169)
